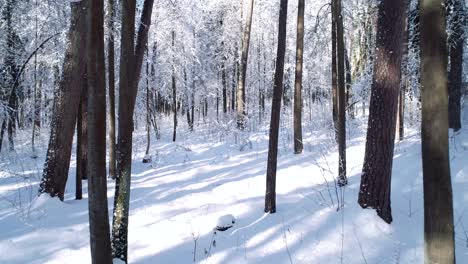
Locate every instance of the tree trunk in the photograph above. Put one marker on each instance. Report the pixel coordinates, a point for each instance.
(438, 208)
(298, 146)
(57, 164)
(111, 76)
(240, 93)
(456, 66)
(82, 141)
(174, 94)
(341, 95)
(270, 196)
(97, 202)
(377, 169)
(131, 58)
(334, 71)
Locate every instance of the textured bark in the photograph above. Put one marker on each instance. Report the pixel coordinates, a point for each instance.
(240, 93)
(97, 187)
(65, 110)
(298, 146)
(131, 59)
(341, 95)
(111, 80)
(270, 196)
(377, 169)
(82, 141)
(438, 208)
(456, 67)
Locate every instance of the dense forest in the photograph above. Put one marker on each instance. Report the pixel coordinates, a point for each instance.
(234, 131)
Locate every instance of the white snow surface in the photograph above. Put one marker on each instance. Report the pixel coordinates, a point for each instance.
(176, 201)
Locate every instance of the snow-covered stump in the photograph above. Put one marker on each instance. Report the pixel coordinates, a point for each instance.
(225, 222)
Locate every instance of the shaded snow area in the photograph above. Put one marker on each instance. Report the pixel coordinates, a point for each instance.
(216, 176)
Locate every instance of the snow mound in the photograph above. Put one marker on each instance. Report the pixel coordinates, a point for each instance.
(225, 222)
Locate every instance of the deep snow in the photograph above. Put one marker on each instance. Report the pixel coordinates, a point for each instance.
(177, 200)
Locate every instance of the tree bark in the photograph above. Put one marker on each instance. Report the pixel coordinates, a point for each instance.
(82, 141)
(341, 95)
(298, 146)
(131, 59)
(270, 196)
(57, 164)
(240, 93)
(97, 202)
(456, 66)
(111, 76)
(376, 175)
(438, 208)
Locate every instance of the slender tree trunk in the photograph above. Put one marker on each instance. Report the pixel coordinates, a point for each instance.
(131, 59)
(97, 202)
(82, 141)
(147, 158)
(174, 94)
(240, 93)
(341, 96)
(298, 146)
(456, 66)
(66, 104)
(438, 208)
(334, 71)
(348, 81)
(270, 196)
(377, 169)
(111, 76)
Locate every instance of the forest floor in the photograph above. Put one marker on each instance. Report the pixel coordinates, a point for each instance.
(177, 200)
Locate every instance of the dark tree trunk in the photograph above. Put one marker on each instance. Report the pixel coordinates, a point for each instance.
(334, 72)
(82, 141)
(66, 104)
(298, 146)
(270, 196)
(456, 66)
(341, 95)
(174, 94)
(97, 202)
(131, 60)
(377, 169)
(438, 208)
(147, 158)
(111, 76)
(240, 93)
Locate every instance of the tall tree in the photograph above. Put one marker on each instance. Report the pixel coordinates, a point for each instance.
(65, 109)
(174, 93)
(240, 93)
(340, 93)
(270, 196)
(298, 146)
(131, 60)
(377, 169)
(111, 78)
(456, 40)
(97, 202)
(438, 208)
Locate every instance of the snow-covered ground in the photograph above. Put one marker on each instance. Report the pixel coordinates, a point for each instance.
(177, 200)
